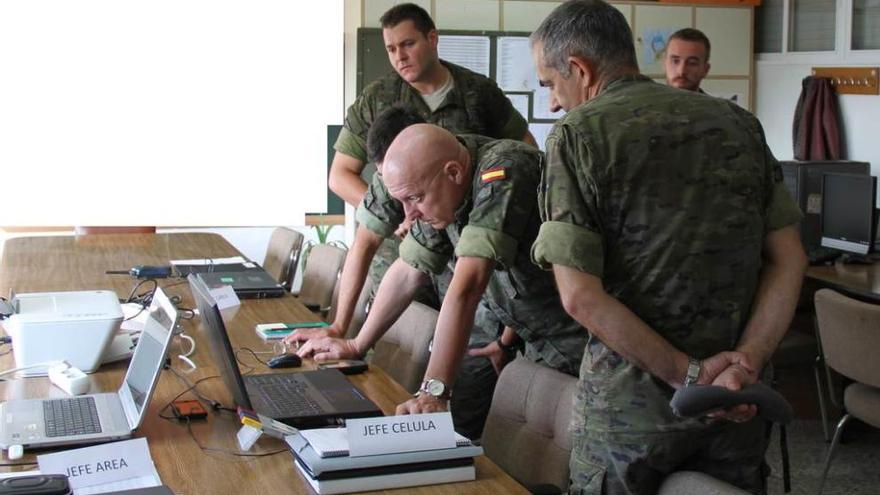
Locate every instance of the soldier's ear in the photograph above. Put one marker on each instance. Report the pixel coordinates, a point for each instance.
(455, 171)
(582, 68)
(433, 38)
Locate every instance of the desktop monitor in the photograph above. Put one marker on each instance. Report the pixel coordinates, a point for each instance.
(849, 221)
(804, 181)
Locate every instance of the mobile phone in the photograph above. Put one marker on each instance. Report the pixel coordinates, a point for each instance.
(346, 366)
(41, 484)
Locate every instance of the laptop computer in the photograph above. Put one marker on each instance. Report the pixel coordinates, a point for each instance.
(184, 270)
(248, 284)
(301, 399)
(92, 418)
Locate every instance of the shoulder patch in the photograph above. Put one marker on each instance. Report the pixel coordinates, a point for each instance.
(492, 174)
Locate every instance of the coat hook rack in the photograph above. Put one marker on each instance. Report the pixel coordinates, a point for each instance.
(851, 80)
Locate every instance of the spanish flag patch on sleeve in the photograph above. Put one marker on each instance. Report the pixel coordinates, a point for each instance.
(492, 174)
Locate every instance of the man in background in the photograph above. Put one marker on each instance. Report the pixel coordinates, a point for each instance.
(687, 59)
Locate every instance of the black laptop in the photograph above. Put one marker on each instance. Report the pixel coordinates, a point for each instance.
(247, 284)
(301, 399)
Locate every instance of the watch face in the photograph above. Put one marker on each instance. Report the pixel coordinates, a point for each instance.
(435, 387)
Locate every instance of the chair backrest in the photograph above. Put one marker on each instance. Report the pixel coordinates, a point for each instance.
(320, 274)
(282, 255)
(849, 332)
(113, 230)
(403, 351)
(527, 430)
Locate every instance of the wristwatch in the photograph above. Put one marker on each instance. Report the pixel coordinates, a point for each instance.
(435, 388)
(510, 350)
(693, 371)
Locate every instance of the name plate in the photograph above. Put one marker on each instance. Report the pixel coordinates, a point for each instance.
(102, 464)
(225, 296)
(393, 434)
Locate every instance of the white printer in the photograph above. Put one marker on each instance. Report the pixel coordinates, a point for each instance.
(73, 326)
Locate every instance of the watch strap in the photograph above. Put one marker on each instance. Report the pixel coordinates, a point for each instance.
(693, 371)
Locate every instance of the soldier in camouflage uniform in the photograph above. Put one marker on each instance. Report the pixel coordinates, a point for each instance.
(475, 201)
(478, 375)
(659, 205)
(440, 92)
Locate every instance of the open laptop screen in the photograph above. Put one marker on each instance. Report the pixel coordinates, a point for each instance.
(218, 340)
(149, 353)
(143, 365)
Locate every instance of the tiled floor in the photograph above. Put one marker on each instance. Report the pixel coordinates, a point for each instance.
(855, 469)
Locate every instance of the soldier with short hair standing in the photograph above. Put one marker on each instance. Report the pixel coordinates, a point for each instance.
(674, 243)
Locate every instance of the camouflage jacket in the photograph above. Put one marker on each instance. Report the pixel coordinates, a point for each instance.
(499, 220)
(666, 195)
(474, 105)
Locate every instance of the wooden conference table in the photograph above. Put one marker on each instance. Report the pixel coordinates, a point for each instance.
(42, 264)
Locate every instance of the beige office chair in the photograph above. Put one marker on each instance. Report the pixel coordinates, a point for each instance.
(403, 351)
(696, 483)
(282, 255)
(527, 433)
(527, 430)
(320, 275)
(849, 333)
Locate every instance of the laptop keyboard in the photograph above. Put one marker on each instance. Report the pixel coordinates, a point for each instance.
(75, 416)
(286, 397)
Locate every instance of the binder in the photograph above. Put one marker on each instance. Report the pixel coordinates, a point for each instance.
(317, 465)
(383, 480)
(333, 442)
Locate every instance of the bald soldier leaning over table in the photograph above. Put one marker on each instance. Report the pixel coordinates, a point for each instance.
(474, 201)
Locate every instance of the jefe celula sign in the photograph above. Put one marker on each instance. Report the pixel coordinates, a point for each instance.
(392, 434)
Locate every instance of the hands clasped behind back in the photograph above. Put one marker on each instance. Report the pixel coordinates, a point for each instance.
(732, 370)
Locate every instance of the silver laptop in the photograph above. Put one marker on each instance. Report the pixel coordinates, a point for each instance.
(36, 423)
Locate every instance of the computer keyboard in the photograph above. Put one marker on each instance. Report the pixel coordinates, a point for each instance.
(286, 397)
(75, 416)
(822, 255)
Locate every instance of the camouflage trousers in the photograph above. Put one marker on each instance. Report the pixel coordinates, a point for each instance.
(626, 439)
(637, 463)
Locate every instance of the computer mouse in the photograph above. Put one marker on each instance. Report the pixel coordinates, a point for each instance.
(284, 361)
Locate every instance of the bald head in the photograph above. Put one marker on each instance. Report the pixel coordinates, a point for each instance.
(428, 171)
(418, 151)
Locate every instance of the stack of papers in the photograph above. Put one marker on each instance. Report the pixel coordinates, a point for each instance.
(321, 455)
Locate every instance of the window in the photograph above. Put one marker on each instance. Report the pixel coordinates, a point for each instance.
(833, 27)
(866, 25)
(769, 18)
(812, 25)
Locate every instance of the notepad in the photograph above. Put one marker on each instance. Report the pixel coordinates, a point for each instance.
(333, 442)
(276, 331)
